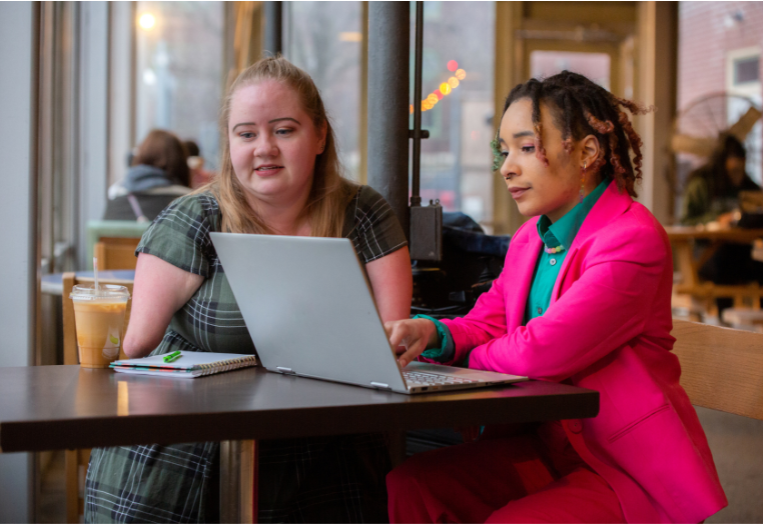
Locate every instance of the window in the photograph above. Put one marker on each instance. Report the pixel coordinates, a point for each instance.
(595, 66)
(324, 39)
(458, 73)
(746, 70)
(180, 71)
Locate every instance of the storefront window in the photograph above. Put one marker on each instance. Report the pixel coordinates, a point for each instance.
(324, 39)
(458, 79)
(179, 73)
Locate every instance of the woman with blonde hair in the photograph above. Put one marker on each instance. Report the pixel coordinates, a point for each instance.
(280, 175)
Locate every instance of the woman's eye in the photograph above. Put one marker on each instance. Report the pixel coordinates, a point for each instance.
(504, 154)
(246, 135)
(528, 148)
(284, 131)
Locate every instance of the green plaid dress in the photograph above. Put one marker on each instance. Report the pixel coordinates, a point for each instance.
(338, 479)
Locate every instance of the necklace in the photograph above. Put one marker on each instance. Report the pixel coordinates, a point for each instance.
(553, 250)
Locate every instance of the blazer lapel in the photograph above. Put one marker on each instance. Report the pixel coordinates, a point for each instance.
(523, 261)
(612, 204)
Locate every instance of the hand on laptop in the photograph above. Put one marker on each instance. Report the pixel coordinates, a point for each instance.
(410, 337)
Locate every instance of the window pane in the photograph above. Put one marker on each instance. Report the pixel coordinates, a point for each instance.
(595, 66)
(456, 159)
(324, 39)
(747, 70)
(179, 71)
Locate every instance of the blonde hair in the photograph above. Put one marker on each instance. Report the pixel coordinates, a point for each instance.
(330, 192)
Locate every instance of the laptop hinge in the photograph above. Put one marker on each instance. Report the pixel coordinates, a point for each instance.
(285, 370)
(378, 385)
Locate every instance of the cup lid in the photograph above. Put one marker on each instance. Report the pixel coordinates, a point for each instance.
(105, 292)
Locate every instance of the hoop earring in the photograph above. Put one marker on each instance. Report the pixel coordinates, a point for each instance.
(582, 182)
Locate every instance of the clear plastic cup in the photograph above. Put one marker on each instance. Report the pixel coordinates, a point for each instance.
(99, 316)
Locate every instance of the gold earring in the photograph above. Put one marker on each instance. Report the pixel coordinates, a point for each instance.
(582, 182)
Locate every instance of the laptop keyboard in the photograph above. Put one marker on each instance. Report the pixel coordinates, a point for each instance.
(427, 378)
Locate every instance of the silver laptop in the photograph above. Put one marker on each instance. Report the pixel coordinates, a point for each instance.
(310, 311)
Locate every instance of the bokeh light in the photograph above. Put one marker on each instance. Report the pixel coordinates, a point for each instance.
(453, 82)
(147, 21)
(452, 65)
(460, 74)
(432, 99)
(445, 88)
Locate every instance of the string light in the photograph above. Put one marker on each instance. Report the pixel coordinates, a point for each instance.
(444, 89)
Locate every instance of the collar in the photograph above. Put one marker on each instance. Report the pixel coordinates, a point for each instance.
(563, 231)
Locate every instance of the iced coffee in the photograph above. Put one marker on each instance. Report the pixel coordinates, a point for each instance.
(99, 317)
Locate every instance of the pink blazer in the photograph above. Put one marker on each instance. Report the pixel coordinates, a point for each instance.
(607, 329)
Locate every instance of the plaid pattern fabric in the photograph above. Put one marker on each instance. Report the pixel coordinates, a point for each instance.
(325, 479)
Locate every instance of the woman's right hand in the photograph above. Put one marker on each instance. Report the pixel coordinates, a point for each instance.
(410, 337)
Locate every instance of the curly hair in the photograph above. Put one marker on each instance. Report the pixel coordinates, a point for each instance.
(580, 107)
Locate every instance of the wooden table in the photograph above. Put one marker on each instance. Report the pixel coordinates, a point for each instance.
(682, 238)
(68, 407)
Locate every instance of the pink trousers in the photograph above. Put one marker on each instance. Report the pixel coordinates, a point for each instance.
(533, 477)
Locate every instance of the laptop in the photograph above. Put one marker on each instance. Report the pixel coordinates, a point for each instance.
(309, 308)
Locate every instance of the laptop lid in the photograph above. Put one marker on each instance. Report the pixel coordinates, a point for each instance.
(309, 307)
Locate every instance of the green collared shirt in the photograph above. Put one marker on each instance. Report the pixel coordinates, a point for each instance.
(561, 233)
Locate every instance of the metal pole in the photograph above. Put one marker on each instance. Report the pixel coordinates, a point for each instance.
(273, 28)
(238, 481)
(388, 100)
(416, 160)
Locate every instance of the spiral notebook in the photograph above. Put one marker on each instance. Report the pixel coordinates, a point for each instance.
(188, 365)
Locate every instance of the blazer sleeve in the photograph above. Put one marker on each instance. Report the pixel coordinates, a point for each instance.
(607, 306)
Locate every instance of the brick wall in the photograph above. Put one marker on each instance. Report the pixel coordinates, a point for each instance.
(707, 32)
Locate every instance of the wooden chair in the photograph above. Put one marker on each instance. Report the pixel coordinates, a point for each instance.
(76, 460)
(721, 368)
(115, 253)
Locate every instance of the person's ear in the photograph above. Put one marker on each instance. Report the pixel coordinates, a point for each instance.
(589, 150)
(322, 134)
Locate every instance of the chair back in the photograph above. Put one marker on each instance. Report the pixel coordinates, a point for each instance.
(71, 356)
(721, 368)
(114, 253)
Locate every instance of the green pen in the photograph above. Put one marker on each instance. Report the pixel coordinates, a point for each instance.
(169, 358)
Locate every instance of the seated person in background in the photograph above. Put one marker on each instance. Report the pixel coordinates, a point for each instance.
(712, 191)
(712, 195)
(158, 175)
(280, 175)
(199, 176)
(585, 300)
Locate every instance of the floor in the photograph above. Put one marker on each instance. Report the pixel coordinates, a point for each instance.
(736, 443)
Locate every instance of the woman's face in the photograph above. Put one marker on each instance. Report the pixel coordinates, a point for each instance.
(537, 189)
(735, 168)
(273, 144)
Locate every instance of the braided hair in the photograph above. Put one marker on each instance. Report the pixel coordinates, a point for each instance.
(580, 107)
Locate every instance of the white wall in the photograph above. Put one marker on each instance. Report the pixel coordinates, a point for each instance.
(18, 218)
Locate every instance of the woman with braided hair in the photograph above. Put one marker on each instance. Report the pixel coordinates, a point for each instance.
(584, 299)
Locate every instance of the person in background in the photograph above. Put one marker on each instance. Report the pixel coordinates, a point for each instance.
(280, 175)
(712, 195)
(584, 299)
(199, 175)
(712, 191)
(158, 174)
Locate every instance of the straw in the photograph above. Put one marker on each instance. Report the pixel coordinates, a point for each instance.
(95, 271)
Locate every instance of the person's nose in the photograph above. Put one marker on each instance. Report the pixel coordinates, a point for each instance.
(265, 147)
(509, 169)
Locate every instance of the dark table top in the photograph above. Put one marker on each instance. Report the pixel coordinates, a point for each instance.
(68, 407)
